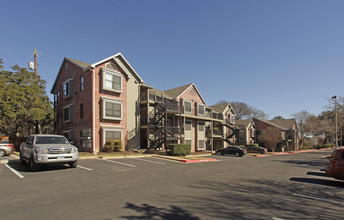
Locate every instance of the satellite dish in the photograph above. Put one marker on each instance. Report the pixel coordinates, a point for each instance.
(31, 65)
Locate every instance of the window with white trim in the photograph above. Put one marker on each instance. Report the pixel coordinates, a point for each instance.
(111, 134)
(68, 88)
(232, 119)
(112, 109)
(68, 113)
(201, 126)
(200, 109)
(112, 81)
(187, 106)
(188, 125)
(201, 145)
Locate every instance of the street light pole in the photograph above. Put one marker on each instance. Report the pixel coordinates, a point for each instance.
(335, 108)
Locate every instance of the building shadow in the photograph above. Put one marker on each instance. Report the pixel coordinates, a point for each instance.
(146, 211)
(325, 182)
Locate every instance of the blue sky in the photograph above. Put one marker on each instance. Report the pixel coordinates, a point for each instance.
(281, 57)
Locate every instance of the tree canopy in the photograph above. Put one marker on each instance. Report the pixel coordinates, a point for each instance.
(23, 102)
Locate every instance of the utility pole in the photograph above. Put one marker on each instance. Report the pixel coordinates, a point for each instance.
(37, 129)
(35, 57)
(335, 108)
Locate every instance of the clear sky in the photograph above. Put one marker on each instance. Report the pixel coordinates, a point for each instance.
(281, 57)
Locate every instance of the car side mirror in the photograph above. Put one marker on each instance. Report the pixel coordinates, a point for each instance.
(71, 142)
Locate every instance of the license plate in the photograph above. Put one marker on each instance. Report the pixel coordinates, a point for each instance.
(60, 157)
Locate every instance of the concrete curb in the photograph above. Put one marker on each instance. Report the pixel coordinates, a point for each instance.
(185, 160)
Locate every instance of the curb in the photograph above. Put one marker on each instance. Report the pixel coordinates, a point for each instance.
(184, 160)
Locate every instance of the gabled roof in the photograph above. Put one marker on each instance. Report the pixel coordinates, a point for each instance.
(287, 124)
(78, 63)
(243, 123)
(219, 107)
(118, 58)
(178, 91)
(270, 123)
(175, 92)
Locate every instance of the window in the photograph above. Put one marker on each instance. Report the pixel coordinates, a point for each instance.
(189, 142)
(200, 109)
(81, 83)
(201, 145)
(81, 110)
(112, 81)
(188, 125)
(232, 119)
(112, 134)
(68, 113)
(253, 132)
(201, 126)
(69, 135)
(187, 106)
(111, 66)
(68, 88)
(112, 109)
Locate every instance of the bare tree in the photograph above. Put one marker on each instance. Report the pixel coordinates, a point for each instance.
(304, 124)
(244, 111)
(271, 136)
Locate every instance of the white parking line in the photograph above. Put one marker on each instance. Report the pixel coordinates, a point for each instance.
(319, 199)
(84, 168)
(120, 163)
(148, 161)
(14, 171)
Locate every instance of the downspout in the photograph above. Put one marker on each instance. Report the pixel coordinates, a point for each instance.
(93, 111)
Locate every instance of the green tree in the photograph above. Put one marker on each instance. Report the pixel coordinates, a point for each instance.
(23, 102)
(278, 118)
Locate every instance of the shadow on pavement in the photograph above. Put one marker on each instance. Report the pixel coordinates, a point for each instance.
(324, 182)
(43, 168)
(152, 212)
(323, 174)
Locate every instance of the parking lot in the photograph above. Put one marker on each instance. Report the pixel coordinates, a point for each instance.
(275, 187)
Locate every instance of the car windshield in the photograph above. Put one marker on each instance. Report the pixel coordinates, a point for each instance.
(51, 140)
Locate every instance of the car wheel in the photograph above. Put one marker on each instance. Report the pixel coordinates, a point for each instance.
(73, 164)
(33, 166)
(218, 153)
(237, 154)
(2, 153)
(22, 161)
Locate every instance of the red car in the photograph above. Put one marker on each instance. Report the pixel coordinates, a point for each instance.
(336, 166)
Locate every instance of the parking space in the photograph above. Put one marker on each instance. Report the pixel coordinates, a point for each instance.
(269, 187)
(13, 168)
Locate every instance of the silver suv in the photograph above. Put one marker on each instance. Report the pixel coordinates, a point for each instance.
(48, 149)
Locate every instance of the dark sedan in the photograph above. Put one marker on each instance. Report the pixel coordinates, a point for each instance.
(237, 151)
(256, 150)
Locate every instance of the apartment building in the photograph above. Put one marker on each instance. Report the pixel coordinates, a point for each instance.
(107, 100)
(97, 102)
(180, 115)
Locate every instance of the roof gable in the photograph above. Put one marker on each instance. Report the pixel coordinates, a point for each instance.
(177, 92)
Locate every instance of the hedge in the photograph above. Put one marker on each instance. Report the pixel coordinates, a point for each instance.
(178, 149)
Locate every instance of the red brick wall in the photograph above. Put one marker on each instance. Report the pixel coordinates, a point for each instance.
(85, 97)
(78, 97)
(98, 107)
(195, 98)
